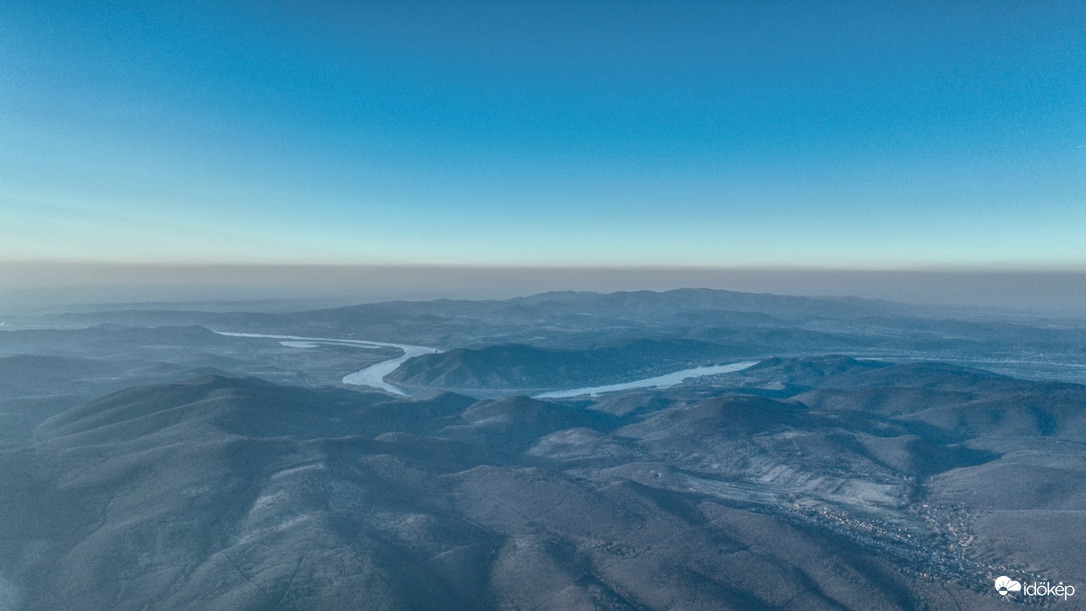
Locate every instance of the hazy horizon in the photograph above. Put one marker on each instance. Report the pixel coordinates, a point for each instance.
(27, 288)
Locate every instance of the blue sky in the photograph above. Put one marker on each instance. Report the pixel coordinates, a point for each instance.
(837, 135)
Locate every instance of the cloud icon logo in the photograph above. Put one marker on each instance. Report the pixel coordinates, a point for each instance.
(1005, 585)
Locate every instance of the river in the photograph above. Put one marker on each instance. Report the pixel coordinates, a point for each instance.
(374, 375)
(369, 376)
(668, 379)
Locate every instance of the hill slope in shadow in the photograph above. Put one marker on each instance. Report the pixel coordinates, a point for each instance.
(223, 492)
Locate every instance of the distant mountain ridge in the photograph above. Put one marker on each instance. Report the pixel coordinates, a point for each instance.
(754, 326)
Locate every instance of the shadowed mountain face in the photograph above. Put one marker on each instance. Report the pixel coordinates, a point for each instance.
(239, 493)
(509, 368)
